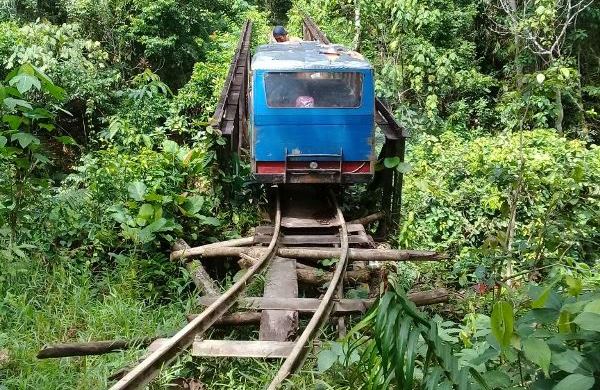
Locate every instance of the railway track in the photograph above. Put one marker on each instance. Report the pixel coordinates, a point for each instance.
(294, 352)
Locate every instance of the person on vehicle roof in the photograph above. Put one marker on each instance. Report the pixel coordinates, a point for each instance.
(280, 35)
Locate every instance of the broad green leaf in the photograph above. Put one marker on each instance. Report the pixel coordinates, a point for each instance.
(588, 321)
(193, 204)
(57, 92)
(211, 221)
(24, 82)
(146, 211)
(489, 354)
(391, 162)
(41, 158)
(25, 139)
(404, 167)
(593, 307)
(538, 352)
(540, 78)
(12, 103)
(540, 301)
(66, 140)
(147, 233)
(3, 141)
(496, 379)
(575, 382)
(47, 126)
(543, 315)
(158, 211)
(502, 321)
(568, 361)
(39, 113)
(13, 121)
(564, 322)
(540, 297)
(137, 190)
(575, 285)
(170, 146)
(325, 359)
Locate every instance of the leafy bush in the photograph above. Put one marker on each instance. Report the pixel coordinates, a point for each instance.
(77, 64)
(458, 198)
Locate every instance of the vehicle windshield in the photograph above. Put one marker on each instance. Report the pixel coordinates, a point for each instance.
(313, 89)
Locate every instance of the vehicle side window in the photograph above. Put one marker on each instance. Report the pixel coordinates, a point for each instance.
(313, 89)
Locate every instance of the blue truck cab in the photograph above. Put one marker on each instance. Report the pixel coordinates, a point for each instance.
(312, 114)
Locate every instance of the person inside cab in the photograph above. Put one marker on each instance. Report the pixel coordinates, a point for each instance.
(280, 35)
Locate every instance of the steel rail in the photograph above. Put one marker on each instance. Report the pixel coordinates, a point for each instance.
(396, 131)
(150, 367)
(240, 57)
(296, 357)
(314, 32)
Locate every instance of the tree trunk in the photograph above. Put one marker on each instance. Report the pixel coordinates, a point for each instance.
(204, 283)
(91, 348)
(560, 113)
(315, 253)
(357, 26)
(316, 276)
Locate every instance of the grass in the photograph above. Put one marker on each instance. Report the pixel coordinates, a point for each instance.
(60, 302)
(62, 299)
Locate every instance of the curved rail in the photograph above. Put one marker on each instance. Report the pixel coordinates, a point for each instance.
(298, 353)
(150, 367)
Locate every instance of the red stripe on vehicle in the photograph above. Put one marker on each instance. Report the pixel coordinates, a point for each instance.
(269, 167)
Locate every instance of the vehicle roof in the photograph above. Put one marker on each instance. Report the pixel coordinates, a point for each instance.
(307, 55)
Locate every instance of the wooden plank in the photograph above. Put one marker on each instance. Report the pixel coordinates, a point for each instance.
(280, 325)
(352, 228)
(319, 253)
(242, 349)
(304, 305)
(340, 306)
(313, 239)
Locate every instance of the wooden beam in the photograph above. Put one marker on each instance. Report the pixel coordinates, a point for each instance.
(242, 349)
(304, 305)
(234, 319)
(91, 347)
(282, 283)
(368, 219)
(340, 306)
(315, 276)
(317, 253)
(180, 251)
(202, 280)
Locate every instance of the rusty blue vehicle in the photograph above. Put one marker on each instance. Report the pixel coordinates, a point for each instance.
(312, 114)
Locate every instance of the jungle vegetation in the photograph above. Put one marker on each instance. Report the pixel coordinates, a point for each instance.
(106, 158)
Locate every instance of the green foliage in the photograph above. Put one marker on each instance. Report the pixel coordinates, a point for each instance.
(502, 323)
(457, 199)
(92, 214)
(551, 345)
(442, 65)
(78, 64)
(407, 350)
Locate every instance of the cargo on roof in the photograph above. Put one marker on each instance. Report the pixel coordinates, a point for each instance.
(307, 55)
